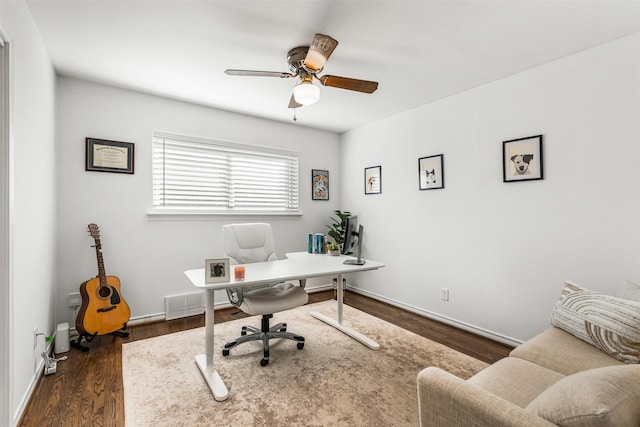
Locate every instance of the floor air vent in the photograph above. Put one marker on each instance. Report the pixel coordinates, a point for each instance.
(184, 305)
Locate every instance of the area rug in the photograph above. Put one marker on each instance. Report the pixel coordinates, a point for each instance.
(333, 381)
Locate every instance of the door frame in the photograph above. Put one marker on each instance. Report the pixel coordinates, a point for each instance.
(6, 231)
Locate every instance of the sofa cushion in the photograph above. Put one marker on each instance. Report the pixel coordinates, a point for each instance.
(609, 323)
(515, 380)
(560, 351)
(598, 397)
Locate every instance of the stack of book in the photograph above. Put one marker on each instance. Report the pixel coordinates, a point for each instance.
(317, 243)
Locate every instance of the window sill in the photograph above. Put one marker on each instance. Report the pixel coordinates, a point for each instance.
(181, 214)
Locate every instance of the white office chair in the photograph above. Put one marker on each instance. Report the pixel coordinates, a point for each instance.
(248, 243)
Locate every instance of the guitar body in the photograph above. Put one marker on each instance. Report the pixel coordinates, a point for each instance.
(103, 309)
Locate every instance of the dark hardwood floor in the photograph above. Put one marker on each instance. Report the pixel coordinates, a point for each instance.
(87, 388)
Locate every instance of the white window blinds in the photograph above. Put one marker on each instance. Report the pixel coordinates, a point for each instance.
(196, 173)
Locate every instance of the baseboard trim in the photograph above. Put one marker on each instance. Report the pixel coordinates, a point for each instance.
(439, 317)
(149, 318)
(319, 288)
(39, 373)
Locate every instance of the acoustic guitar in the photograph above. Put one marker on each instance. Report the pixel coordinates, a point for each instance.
(103, 309)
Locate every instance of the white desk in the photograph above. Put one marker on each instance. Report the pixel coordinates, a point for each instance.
(299, 265)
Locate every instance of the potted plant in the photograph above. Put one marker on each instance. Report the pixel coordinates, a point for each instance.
(334, 248)
(337, 229)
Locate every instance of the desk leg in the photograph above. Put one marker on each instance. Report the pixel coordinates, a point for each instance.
(340, 296)
(205, 361)
(338, 324)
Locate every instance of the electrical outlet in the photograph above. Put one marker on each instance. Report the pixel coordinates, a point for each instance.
(35, 337)
(74, 299)
(444, 294)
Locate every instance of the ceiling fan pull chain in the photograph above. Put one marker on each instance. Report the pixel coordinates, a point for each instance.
(294, 115)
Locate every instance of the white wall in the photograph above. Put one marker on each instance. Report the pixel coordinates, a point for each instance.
(33, 263)
(504, 249)
(150, 255)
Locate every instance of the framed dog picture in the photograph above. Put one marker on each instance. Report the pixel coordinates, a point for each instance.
(431, 172)
(319, 184)
(373, 180)
(522, 159)
(216, 270)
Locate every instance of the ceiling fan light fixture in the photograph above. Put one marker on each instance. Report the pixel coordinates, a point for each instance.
(315, 60)
(306, 93)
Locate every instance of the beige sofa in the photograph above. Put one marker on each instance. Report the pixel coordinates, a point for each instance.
(583, 371)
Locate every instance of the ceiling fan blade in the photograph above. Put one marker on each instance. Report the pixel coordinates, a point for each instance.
(293, 103)
(253, 73)
(350, 84)
(320, 49)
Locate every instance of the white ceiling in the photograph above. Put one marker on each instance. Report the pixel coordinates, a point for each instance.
(419, 51)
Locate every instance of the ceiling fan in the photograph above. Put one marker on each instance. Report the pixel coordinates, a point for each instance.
(305, 62)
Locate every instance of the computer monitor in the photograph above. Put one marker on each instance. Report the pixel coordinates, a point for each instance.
(353, 235)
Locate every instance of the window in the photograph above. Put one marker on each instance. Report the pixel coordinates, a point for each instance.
(204, 175)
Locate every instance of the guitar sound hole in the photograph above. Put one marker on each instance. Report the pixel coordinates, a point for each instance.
(104, 292)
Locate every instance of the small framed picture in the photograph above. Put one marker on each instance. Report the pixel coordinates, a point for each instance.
(102, 155)
(522, 159)
(216, 270)
(431, 172)
(319, 184)
(373, 180)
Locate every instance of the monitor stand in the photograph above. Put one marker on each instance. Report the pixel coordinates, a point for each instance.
(358, 260)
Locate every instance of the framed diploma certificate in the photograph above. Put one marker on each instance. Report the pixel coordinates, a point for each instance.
(109, 156)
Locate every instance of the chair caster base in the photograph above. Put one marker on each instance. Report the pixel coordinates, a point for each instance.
(264, 334)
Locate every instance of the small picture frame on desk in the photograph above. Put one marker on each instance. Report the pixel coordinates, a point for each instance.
(216, 270)
(102, 155)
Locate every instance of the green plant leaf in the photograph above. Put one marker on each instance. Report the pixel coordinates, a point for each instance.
(337, 229)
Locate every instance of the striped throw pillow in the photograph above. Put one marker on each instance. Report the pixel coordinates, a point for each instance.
(609, 323)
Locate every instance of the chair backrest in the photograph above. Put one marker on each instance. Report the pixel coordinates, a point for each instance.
(247, 243)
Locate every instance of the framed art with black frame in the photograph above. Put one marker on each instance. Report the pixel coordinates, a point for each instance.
(319, 184)
(431, 172)
(522, 159)
(102, 155)
(373, 180)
